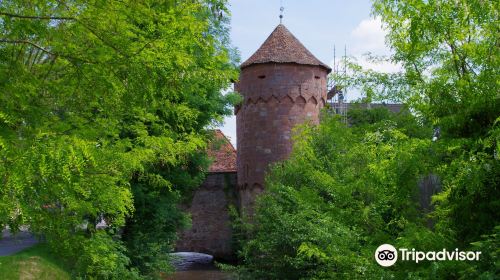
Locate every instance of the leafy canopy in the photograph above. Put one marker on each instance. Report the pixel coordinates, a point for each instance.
(348, 189)
(98, 97)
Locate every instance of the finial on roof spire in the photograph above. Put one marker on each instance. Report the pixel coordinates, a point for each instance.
(281, 12)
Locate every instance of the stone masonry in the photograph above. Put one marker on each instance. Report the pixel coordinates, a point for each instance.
(210, 232)
(282, 85)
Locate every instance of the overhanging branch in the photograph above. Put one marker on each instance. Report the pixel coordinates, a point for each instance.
(55, 55)
(29, 43)
(35, 17)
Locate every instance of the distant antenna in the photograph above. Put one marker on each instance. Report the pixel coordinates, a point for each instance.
(281, 12)
(345, 61)
(334, 60)
(337, 90)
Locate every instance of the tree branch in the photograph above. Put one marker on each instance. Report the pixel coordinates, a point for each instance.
(29, 43)
(26, 42)
(105, 42)
(35, 17)
(65, 18)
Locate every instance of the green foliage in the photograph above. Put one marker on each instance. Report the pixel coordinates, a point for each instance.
(104, 110)
(357, 116)
(346, 190)
(468, 205)
(489, 265)
(449, 51)
(100, 257)
(149, 234)
(340, 195)
(35, 263)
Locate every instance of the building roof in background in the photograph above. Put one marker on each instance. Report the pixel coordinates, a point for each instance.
(223, 154)
(282, 47)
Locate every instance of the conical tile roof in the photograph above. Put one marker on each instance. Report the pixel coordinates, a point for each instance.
(282, 47)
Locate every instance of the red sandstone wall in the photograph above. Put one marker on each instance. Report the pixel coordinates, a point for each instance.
(276, 98)
(211, 229)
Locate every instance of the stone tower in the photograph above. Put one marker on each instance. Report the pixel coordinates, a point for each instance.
(282, 85)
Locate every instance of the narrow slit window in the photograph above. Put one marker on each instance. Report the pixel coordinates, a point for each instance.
(262, 76)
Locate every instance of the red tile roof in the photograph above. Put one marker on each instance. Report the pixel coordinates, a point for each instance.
(223, 154)
(282, 47)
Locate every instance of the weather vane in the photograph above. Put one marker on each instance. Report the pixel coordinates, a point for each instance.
(281, 12)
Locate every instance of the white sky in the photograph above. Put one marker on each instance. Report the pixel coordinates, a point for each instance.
(318, 24)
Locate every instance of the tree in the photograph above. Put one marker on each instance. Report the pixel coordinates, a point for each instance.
(343, 192)
(449, 52)
(346, 190)
(101, 101)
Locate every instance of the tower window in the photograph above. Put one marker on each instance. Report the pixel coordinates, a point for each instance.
(316, 77)
(262, 76)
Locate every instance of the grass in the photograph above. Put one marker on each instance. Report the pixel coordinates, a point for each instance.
(34, 263)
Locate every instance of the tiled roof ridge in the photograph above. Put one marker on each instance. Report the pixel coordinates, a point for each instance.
(224, 156)
(219, 132)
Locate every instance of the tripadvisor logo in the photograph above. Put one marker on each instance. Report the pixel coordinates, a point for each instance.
(387, 255)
